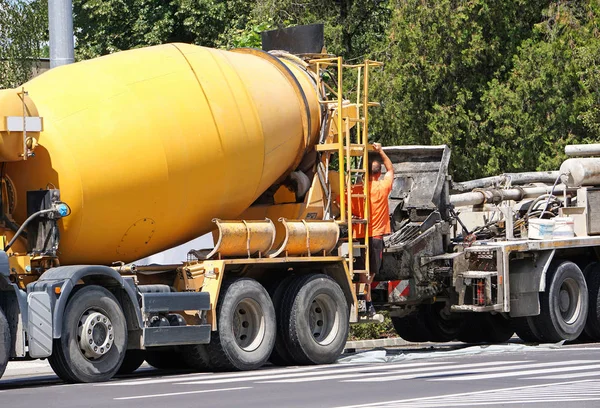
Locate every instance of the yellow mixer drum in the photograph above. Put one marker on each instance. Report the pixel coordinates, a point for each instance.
(148, 146)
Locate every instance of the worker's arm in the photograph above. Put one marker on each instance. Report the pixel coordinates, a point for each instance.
(386, 160)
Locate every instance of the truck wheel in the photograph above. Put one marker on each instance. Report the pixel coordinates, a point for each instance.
(196, 357)
(412, 328)
(525, 329)
(5, 343)
(564, 303)
(442, 326)
(93, 337)
(245, 327)
(280, 355)
(315, 319)
(592, 279)
(166, 358)
(132, 361)
(486, 328)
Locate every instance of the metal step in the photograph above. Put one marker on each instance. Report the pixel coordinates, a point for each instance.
(176, 335)
(174, 301)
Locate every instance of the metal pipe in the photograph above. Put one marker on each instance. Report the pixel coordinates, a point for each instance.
(583, 150)
(494, 195)
(514, 178)
(581, 172)
(60, 24)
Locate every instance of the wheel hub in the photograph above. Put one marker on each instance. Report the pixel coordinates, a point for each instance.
(249, 325)
(569, 301)
(324, 319)
(96, 336)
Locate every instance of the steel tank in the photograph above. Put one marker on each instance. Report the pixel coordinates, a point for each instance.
(148, 146)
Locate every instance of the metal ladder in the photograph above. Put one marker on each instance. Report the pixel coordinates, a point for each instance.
(352, 152)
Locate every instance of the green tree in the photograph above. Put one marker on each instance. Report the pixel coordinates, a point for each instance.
(106, 26)
(351, 26)
(439, 57)
(23, 39)
(551, 97)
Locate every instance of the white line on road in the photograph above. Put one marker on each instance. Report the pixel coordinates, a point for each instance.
(314, 374)
(455, 373)
(203, 376)
(417, 372)
(174, 394)
(565, 376)
(468, 397)
(518, 373)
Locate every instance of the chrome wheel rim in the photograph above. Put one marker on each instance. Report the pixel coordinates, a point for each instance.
(95, 334)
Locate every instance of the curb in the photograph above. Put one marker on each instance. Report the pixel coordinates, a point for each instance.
(365, 344)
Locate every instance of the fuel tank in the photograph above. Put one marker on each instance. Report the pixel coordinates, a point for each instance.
(148, 146)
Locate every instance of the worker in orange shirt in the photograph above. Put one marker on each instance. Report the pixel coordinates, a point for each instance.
(379, 220)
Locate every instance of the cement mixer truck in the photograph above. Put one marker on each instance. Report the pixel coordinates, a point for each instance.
(110, 160)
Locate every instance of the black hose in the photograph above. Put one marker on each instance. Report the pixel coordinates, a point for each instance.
(22, 227)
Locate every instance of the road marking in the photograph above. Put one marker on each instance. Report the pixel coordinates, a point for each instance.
(174, 394)
(316, 373)
(417, 372)
(564, 376)
(519, 373)
(585, 390)
(486, 369)
(203, 376)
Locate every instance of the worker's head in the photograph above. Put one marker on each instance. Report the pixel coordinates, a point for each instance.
(375, 168)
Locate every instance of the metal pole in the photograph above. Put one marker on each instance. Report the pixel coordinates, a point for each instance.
(60, 21)
(583, 150)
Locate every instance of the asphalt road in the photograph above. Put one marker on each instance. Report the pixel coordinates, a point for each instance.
(427, 376)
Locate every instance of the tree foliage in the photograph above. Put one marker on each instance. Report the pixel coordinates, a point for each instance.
(106, 26)
(505, 83)
(23, 38)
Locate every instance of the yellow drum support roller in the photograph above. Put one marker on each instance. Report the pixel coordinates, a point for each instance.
(243, 239)
(306, 238)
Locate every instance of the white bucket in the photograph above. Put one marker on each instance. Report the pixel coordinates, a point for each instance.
(540, 229)
(564, 227)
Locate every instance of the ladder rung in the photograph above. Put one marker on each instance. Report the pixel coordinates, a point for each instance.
(358, 171)
(358, 195)
(360, 246)
(356, 146)
(355, 120)
(373, 104)
(326, 147)
(360, 271)
(358, 221)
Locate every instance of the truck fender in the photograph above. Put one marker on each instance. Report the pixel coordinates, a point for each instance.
(67, 277)
(527, 279)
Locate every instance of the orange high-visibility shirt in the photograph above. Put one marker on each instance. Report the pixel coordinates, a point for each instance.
(379, 222)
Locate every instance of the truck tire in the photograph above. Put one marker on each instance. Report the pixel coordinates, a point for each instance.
(5, 343)
(525, 329)
(245, 327)
(196, 357)
(412, 328)
(132, 361)
(442, 328)
(592, 279)
(166, 358)
(486, 328)
(314, 319)
(93, 337)
(280, 356)
(564, 303)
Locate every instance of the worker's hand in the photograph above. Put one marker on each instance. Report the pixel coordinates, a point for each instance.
(377, 147)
